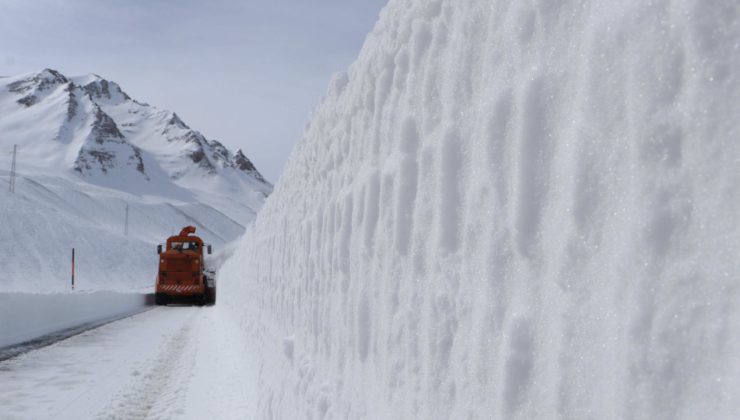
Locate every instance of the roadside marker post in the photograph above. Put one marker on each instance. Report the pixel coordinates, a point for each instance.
(73, 268)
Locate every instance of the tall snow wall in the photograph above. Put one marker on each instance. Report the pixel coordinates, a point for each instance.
(509, 209)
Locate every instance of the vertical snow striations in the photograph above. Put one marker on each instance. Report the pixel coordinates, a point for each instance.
(509, 209)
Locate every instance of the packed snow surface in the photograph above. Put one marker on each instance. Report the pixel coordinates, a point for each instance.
(509, 209)
(167, 363)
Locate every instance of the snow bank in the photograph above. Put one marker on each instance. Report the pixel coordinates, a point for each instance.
(509, 209)
(26, 316)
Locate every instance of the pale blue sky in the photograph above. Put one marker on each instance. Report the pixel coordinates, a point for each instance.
(246, 73)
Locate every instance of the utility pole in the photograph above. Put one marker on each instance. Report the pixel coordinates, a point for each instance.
(73, 268)
(11, 186)
(125, 224)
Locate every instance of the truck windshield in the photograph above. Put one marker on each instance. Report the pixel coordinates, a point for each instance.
(185, 246)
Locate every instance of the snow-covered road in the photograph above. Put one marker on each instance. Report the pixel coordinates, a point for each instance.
(170, 362)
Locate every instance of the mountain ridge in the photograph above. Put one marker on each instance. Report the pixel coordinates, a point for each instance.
(108, 133)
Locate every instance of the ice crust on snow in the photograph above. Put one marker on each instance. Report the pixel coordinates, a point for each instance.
(509, 209)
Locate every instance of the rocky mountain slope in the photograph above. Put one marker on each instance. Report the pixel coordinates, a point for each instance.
(90, 127)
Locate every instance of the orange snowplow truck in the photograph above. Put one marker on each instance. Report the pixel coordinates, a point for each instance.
(183, 276)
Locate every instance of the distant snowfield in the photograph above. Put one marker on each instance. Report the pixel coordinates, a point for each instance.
(509, 209)
(49, 215)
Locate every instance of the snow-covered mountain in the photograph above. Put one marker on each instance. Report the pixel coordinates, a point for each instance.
(509, 209)
(90, 126)
(86, 150)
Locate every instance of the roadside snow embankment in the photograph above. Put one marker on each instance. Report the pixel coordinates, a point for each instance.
(27, 316)
(509, 209)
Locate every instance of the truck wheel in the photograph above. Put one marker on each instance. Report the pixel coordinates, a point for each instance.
(159, 299)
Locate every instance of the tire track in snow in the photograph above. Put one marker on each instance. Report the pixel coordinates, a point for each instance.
(140, 402)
